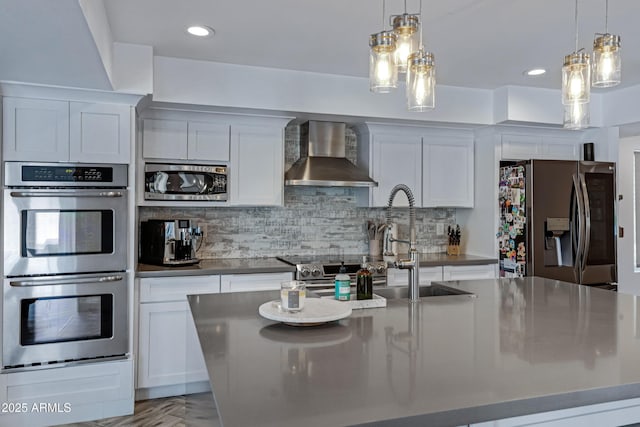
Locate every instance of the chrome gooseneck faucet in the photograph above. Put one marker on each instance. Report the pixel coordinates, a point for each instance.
(411, 264)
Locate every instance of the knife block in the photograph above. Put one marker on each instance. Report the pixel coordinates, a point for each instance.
(453, 250)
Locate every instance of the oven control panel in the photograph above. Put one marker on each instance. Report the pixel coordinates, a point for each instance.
(66, 174)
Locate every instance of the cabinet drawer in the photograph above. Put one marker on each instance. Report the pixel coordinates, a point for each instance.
(469, 272)
(159, 289)
(252, 282)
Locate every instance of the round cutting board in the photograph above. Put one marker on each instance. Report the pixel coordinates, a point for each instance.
(315, 311)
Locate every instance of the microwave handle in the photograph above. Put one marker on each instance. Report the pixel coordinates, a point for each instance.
(67, 194)
(53, 282)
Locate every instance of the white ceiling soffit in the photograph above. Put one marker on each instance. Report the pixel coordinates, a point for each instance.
(477, 43)
(48, 42)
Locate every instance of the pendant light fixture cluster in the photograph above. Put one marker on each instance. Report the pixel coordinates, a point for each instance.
(400, 50)
(579, 74)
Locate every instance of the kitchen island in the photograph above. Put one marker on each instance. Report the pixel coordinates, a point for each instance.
(517, 347)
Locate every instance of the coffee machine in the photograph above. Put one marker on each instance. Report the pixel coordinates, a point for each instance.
(169, 242)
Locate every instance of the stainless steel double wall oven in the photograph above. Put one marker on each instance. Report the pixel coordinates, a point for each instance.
(65, 258)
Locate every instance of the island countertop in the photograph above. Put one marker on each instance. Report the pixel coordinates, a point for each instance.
(520, 346)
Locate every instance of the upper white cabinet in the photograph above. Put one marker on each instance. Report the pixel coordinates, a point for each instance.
(99, 133)
(185, 140)
(59, 131)
(257, 159)
(397, 159)
(436, 164)
(536, 146)
(447, 171)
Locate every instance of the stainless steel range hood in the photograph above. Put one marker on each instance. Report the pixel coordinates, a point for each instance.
(323, 159)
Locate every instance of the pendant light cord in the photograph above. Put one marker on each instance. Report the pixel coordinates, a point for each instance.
(606, 18)
(383, 13)
(576, 24)
(421, 25)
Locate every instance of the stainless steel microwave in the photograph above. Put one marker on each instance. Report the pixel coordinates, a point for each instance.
(185, 182)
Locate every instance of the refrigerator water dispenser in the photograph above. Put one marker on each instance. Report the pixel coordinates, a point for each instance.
(557, 242)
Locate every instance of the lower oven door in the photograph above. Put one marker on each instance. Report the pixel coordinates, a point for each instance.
(64, 318)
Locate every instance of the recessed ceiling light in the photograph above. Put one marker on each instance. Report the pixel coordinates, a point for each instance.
(535, 72)
(200, 31)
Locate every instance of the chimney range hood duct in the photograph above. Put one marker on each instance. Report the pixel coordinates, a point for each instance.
(322, 159)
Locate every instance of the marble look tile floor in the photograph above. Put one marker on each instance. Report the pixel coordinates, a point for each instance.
(194, 410)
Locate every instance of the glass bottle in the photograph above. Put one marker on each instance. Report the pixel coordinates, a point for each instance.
(364, 282)
(343, 284)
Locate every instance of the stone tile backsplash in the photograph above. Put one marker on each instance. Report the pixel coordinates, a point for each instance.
(313, 220)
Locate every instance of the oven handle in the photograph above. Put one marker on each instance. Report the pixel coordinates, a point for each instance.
(67, 194)
(101, 279)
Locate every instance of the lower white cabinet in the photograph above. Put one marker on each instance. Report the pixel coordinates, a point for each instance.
(252, 282)
(168, 347)
(469, 272)
(398, 277)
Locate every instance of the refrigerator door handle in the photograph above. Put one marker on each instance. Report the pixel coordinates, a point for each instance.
(577, 188)
(587, 221)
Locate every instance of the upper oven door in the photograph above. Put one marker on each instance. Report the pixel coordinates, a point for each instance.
(55, 231)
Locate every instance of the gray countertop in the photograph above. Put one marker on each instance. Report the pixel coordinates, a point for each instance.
(273, 265)
(218, 266)
(520, 346)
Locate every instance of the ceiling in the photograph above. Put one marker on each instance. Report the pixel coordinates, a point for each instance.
(477, 43)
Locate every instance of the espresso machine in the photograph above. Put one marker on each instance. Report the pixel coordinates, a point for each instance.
(169, 242)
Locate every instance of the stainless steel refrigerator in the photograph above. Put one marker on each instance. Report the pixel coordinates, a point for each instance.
(558, 220)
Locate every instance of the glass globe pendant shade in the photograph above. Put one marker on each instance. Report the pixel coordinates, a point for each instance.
(607, 63)
(421, 81)
(405, 27)
(576, 116)
(576, 79)
(383, 73)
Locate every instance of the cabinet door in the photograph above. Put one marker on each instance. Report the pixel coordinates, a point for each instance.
(257, 165)
(521, 147)
(252, 282)
(35, 130)
(208, 142)
(166, 335)
(469, 272)
(448, 172)
(164, 139)
(560, 149)
(99, 133)
(165, 289)
(397, 159)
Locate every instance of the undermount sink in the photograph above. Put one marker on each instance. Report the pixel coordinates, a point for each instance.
(435, 290)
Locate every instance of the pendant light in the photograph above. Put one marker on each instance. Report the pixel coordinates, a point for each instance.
(405, 27)
(576, 86)
(421, 78)
(383, 73)
(607, 63)
(576, 116)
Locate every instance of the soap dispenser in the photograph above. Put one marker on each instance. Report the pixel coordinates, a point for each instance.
(364, 282)
(343, 284)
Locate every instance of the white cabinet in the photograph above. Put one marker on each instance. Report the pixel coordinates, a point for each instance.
(447, 171)
(167, 336)
(257, 159)
(185, 140)
(164, 139)
(436, 164)
(99, 133)
(469, 272)
(60, 131)
(527, 146)
(429, 274)
(400, 277)
(396, 159)
(252, 282)
(208, 141)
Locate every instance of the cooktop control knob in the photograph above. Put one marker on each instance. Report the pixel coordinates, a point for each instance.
(381, 268)
(304, 271)
(371, 268)
(315, 272)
